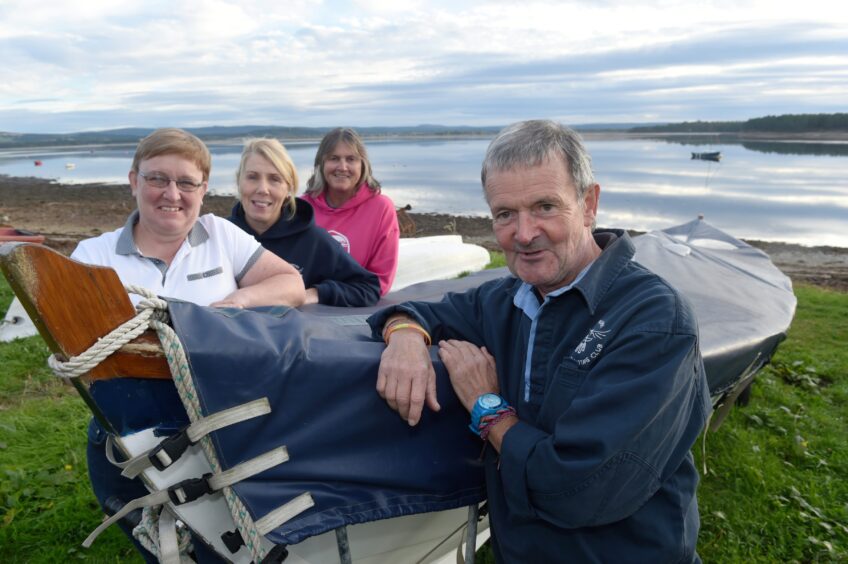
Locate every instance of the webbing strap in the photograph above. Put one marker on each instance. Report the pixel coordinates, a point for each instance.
(155, 498)
(171, 448)
(273, 519)
(169, 547)
(284, 513)
(189, 490)
(249, 468)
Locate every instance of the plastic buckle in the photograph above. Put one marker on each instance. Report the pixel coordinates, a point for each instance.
(232, 540)
(189, 490)
(277, 554)
(170, 450)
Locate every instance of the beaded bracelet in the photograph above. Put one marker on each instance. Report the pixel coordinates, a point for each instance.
(488, 422)
(394, 326)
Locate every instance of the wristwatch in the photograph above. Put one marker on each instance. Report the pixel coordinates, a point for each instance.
(486, 404)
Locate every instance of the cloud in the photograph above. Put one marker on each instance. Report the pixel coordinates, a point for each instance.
(101, 64)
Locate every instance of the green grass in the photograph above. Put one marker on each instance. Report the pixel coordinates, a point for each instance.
(46, 504)
(776, 487)
(775, 491)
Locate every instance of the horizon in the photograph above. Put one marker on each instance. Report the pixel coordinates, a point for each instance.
(96, 65)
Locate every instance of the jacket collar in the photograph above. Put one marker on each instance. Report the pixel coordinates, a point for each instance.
(617, 251)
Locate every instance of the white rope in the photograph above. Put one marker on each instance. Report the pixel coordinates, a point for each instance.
(149, 309)
(159, 534)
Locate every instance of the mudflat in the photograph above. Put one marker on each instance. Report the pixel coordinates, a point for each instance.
(66, 213)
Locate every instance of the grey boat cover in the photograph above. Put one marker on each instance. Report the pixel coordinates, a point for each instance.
(356, 457)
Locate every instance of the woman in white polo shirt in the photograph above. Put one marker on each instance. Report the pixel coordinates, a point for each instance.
(167, 248)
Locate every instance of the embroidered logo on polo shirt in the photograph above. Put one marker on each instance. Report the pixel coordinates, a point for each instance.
(591, 345)
(207, 274)
(342, 240)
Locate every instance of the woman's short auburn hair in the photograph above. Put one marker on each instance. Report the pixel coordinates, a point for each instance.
(173, 141)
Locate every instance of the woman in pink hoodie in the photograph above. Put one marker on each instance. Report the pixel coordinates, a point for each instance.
(348, 203)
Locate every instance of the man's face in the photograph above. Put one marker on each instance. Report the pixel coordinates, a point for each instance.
(544, 230)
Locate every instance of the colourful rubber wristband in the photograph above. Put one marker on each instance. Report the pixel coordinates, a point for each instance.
(500, 416)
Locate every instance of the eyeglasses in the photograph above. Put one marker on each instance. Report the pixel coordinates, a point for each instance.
(158, 180)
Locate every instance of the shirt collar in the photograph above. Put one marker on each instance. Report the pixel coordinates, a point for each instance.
(126, 242)
(525, 298)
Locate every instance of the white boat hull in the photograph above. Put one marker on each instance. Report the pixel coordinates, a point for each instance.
(425, 537)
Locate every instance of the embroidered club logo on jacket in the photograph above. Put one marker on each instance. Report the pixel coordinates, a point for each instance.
(591, 346)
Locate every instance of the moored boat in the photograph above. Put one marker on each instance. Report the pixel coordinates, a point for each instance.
(9, 234)
(713, 156)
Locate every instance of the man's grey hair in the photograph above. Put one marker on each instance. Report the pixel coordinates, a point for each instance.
(531, 143)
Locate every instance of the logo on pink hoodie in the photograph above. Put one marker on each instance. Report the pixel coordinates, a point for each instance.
(341, 238)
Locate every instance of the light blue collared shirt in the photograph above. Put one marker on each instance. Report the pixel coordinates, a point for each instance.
(525, 300)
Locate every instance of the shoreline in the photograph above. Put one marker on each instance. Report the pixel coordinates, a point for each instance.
(593, 134)
(67, 213)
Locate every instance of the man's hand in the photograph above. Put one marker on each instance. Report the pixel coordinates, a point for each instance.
(472, 370)
(406, 378)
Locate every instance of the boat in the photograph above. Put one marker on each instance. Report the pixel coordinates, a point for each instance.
(439, 257)
(37, 163)
(70, 166)
(713, 156)
(16, 324)
(369, 488)
(9, 234)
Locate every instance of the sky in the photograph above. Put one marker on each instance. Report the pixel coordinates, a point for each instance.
(70, 65)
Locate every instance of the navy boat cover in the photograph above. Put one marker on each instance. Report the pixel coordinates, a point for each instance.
(349, 450)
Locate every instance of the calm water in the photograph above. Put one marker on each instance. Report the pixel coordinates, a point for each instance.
(789, 192)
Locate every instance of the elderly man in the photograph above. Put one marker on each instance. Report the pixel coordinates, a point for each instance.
(582, 370)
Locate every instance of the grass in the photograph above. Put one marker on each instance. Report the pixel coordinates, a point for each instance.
(775, 489)
(46, 504)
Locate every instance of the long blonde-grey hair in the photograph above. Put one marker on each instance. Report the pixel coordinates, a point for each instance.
(316, 184)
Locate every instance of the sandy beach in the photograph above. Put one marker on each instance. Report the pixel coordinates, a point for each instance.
(66, 213)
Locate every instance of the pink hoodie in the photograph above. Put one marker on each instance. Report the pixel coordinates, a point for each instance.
(366, 226)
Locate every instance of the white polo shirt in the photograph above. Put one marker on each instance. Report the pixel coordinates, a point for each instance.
(208, 266)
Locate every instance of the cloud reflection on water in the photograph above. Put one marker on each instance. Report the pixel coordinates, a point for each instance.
(646, 184)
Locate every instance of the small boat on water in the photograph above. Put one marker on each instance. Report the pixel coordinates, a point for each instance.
(713, 156)
(37, 163)
(9, 234)
(70, 166)
(359, 483)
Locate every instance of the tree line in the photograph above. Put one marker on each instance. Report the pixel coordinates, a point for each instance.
(787, 123)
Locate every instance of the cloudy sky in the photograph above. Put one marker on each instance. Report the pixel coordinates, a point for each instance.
(97, 64)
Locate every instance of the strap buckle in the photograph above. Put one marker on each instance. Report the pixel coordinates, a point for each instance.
(189, 490)
(170, 450)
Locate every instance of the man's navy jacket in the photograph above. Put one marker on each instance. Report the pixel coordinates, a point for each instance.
(599, 467)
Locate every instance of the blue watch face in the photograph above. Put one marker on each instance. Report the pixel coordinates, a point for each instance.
(490, 401)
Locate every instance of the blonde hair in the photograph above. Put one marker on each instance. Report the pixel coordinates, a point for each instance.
(173, 141)
(275, 153)
(316, 184)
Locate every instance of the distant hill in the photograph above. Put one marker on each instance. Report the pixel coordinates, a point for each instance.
(131, 135)
(787, 123)
(222, 133)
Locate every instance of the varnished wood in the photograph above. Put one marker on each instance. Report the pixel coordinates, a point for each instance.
(73, 304)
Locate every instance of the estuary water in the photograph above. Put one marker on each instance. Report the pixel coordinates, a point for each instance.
(777, 191)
